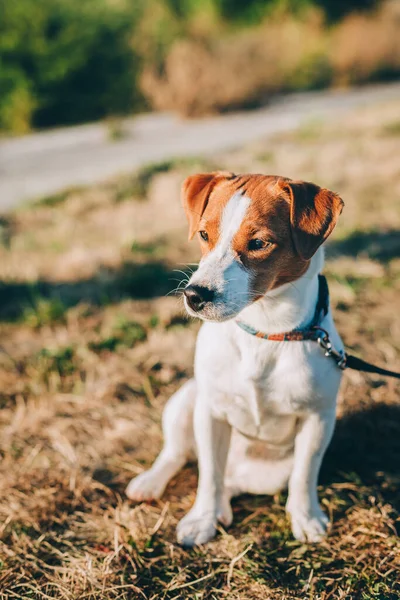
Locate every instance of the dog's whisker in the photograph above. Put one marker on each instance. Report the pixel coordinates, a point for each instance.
(178, 288)
(184, 273)
(189, 264)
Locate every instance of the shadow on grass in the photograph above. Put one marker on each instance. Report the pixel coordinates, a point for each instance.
(377, 245)
(154, 278)
(107, 286)
(365, 450)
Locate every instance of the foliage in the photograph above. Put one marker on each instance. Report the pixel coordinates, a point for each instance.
(251, 11)
(71, 61)
(64, 61)
(210, 72)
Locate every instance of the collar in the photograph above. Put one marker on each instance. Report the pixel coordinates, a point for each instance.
(318, 334)
(312, 332)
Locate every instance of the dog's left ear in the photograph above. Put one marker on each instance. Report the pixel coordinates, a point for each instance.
(313, 215)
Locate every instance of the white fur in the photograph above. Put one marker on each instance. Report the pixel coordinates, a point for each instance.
(244, 389)
(221, 271)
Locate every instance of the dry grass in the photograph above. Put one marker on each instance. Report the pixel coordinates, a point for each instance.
(355, 59)
(223, 72)
(92, 348)
(217, 70)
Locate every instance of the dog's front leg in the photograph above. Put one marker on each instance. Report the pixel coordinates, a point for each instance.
(212, 440)
(309, 522)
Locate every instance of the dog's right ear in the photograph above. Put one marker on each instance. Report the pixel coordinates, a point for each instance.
(196, 191)
(314, 212)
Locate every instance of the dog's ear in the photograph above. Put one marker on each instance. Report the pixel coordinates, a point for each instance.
(196, 191)
(313, 215)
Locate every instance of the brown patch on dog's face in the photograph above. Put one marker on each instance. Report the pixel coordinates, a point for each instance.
(277, 262)
(196, 194)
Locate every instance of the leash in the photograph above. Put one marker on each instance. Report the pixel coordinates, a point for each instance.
(316, 333)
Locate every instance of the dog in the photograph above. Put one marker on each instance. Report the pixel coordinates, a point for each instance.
(261, 242)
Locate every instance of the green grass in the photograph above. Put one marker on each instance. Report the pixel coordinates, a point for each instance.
(309, 131)
(43, 311)
(265, 157)
(55, 200)
(6, 231)
(391, 129)
(60, 361)
(126, 334)
(149, 249)
(137, 185)
(116, 129)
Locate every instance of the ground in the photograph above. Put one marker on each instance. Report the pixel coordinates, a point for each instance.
(93, 343)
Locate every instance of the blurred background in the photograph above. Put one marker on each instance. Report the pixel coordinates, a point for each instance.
(64, 62)
(105, 107)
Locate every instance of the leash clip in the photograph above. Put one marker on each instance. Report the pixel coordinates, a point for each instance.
(326, 345)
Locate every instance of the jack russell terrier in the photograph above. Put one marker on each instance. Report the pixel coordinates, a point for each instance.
(260, 238)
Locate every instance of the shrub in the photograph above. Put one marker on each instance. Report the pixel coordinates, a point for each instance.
(239, 70)
(367, 47)
(16, 100)
(242, 68)
(65, 61)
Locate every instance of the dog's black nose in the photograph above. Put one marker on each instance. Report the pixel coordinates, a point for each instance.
(197, 296)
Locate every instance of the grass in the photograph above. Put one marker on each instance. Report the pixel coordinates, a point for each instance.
(5, 231)
(309, 131)
(125, 334)
(92, 347)
(43, 311)
(392, 128)
(116, 129)
(138, 184)
(55, 200)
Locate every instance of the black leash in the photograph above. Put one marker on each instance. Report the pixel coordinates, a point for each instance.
(342, 359)
(352, 362)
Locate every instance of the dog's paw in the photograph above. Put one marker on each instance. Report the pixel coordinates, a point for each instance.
(196, 528)
(146, 486)
(309, 527)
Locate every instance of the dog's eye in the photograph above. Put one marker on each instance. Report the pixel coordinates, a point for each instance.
(203, 235)
(258, 244)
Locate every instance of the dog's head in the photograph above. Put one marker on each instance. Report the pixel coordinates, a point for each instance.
(256, 232)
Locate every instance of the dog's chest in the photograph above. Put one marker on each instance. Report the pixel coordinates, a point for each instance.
(262, 387)
(254, 415)
(266, 391)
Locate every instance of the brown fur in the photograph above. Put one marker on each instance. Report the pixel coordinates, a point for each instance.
(196, 192)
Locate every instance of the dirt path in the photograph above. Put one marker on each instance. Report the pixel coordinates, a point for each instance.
(45, 163)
